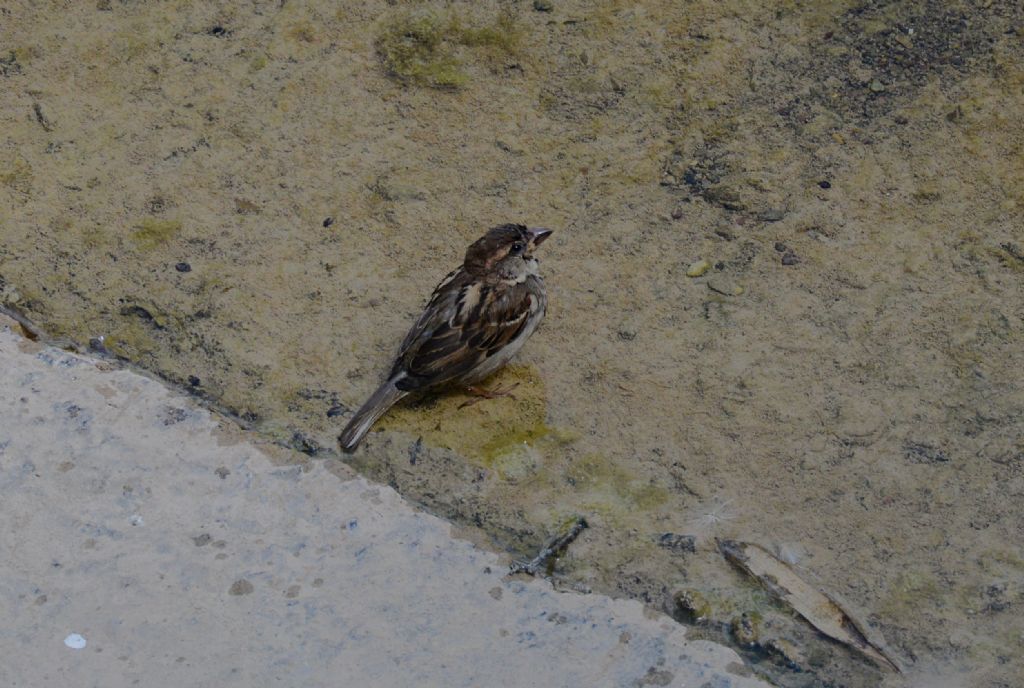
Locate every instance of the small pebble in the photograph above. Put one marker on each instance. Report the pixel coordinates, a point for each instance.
(328, 222)
(677, 213)
(780, 247)
(876, 86)
(183, 267)
(543, 5)
(693, 606)
(193, 381)
(75, 641)
(790, 258)
(825, 184)
(136, 520)
(697, 269)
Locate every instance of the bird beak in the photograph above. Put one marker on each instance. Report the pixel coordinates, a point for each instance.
(539, 234)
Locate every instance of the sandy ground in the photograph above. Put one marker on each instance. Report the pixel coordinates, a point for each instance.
(243, 200)
(184, 555)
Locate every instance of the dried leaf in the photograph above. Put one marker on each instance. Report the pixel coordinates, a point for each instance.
(816, 607)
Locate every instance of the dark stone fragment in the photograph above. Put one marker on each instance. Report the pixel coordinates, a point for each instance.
(678, 543)
(919, 452)
(183, 267)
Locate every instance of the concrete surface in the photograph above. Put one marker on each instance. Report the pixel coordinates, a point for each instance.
(186, 555)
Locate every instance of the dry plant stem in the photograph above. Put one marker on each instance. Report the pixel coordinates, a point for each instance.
(538, 564)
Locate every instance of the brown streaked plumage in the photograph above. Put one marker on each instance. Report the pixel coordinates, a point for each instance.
(476, 320)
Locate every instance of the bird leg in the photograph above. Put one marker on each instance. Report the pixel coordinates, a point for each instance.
(479, 393)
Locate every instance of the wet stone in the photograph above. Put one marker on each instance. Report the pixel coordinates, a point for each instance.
(785, 653)
(691, 606)
(746, 628)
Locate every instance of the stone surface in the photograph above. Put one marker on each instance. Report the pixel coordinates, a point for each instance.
(185, 555)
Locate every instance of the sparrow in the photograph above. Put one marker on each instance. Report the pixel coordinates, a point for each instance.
(478, 318)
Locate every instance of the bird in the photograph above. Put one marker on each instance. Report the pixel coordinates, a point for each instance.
(476, 320)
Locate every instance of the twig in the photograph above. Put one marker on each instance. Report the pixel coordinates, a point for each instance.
(538, 565)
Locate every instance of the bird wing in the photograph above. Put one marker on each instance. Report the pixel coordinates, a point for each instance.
(465, 323)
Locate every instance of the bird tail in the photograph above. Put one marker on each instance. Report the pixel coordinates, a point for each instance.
(386, 396)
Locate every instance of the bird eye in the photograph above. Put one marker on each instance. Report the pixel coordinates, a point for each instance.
(518, 246)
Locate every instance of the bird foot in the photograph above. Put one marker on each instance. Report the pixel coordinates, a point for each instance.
(479, 394)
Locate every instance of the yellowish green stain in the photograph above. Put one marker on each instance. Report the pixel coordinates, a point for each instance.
(430, 48)
(151, 232)
(491, 432)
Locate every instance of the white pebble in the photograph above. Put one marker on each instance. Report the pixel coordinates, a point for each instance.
(136, 520)
(75, 641)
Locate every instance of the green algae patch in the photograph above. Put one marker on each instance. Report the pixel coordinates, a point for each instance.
(151, 232)
(604, 484)
(432, 49)
(493, 433)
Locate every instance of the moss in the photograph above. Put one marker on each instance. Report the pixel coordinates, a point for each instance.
(302, 32)
(426, 48)
(912, 590)
(257, 62)
(17, 174)
(151, 232)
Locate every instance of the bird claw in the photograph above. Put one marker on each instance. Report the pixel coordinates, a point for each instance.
(479, 394)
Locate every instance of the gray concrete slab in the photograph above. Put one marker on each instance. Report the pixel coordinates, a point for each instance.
(185, 555)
